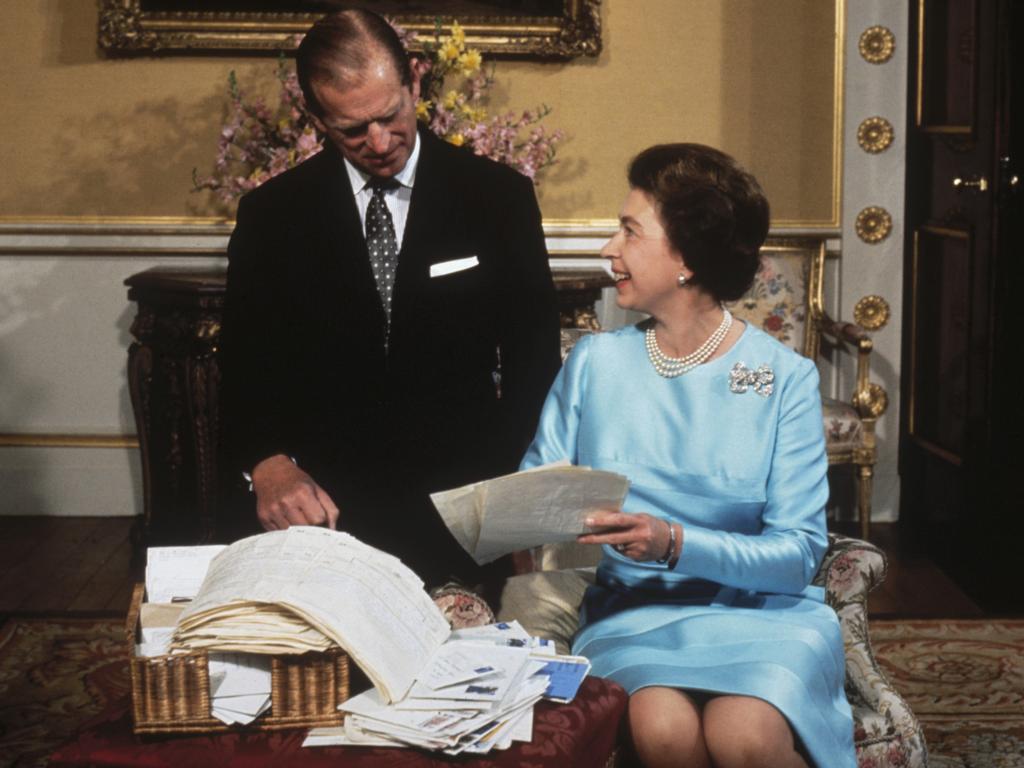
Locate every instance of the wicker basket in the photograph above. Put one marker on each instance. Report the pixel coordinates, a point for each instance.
(171, 694)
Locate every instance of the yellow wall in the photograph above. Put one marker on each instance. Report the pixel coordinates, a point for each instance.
(84, 134)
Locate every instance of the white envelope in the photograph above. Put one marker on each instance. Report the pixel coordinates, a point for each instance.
(455, 265)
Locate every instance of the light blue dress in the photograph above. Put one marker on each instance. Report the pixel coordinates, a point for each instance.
(745, 474)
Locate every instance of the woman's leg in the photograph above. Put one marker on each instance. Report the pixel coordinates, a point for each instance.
(741, 731)
(665, 726)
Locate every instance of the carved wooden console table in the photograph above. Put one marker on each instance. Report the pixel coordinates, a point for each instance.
(173, 378)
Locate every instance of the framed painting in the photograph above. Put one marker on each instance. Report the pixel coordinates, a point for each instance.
(532, 28)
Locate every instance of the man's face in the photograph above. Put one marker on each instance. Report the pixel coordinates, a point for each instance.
(371, 117)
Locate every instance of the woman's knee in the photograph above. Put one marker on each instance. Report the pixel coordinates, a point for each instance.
(744, 731)
(665, 727)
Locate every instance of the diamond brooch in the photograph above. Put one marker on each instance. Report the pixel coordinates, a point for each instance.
(762, 379)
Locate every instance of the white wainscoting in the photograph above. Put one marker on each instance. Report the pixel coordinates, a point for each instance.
(67, 430)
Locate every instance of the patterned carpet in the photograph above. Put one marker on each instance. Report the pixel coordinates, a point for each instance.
(965, 682)
(55, 674)
(963, 679)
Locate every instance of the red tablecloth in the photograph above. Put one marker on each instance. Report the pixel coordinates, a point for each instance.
(580, 734)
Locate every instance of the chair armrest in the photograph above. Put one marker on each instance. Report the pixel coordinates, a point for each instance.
(850, 570)
(869, 399)
(850, 333)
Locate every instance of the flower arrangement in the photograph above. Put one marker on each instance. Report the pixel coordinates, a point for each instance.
(459, 114)
(258, 141)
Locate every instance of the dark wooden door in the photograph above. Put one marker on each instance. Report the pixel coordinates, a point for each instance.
(962, 478)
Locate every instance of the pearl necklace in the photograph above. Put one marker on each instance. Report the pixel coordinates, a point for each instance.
(670, 367)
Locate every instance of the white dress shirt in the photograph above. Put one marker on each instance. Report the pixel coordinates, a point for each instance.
(397, 200)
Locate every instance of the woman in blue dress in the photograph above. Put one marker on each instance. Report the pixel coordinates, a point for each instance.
(703, 607)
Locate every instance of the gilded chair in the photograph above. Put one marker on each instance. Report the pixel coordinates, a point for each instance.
(786, 301)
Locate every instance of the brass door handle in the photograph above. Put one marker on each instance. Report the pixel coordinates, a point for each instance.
(971, 183)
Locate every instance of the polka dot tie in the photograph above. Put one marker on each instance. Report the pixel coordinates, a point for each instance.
(381, 241)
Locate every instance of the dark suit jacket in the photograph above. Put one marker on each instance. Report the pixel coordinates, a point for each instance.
(470, 355)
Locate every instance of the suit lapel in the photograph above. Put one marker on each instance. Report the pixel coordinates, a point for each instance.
(431, 213)
(345, 261)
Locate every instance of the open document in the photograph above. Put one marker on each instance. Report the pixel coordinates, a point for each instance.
(543, 505)
(306, 588)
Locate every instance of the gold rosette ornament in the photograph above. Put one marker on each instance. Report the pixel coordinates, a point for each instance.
(873, 224)
(877, 44)
(874, 135)
(871, 312)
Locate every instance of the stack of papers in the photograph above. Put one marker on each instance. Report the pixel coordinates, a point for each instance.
(475, 694)
(174, 574)
(307, 588)
(157, 622)
(239, 686)
(544, 505)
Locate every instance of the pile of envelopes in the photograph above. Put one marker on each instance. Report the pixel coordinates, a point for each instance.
(476, 694)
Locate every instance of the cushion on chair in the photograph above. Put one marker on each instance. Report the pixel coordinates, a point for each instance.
(461, 607)
(843, 427)
(777, 301)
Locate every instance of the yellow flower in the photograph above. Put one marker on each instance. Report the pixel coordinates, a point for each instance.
(451, 99)
(458, 35)
(476, 115)
(470, 61)
(449, 51)
(457, 139)
(423, 109)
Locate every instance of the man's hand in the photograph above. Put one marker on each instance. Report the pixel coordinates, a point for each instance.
(286, 496)
(638, 536)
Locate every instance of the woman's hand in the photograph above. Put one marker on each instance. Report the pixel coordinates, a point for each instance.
(638, 536)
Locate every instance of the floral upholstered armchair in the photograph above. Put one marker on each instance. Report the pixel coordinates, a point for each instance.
(786, 301)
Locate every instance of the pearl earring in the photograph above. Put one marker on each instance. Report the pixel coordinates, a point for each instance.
(681, 280)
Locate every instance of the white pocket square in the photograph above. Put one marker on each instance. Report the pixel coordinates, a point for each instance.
(455, 265)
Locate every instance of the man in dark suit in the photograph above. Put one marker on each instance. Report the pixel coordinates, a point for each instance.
(390, 327)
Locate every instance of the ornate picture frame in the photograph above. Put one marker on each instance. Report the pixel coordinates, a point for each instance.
(557, 29)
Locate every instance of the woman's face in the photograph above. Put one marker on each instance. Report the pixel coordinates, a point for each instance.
(644, 264)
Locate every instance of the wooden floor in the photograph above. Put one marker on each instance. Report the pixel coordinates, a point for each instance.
(54, 565)
(66, 564)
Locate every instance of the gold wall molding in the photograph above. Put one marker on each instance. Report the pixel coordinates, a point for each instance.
(874, 135)
(71, 237)
(127, 27)
(130, 224)
(60, 440)
(872, 312)
(873, 224)
(877, 44)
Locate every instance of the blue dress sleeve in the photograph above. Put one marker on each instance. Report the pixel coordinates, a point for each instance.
(785, 556)
(558, 428)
